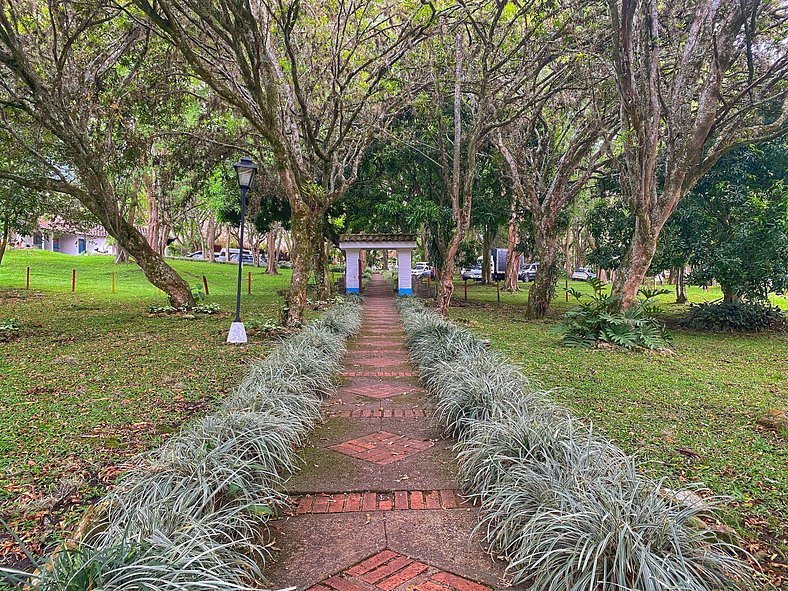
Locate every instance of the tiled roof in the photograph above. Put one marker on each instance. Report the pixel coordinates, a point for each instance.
(58, 224)
(377, 238)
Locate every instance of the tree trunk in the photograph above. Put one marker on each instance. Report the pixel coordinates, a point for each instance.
(512, 256)
(543, 288)
(6, 235)
(486, 248)
(227, 244)
(445, 275)
(158, 272)
(729, 295)
(320, 265)
(567, 250)
(271, 249)
(385, 260)
(301, 257)
(632, 271)
(681, 287)
(210, 239)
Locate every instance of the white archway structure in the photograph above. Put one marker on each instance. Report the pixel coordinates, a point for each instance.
(353, 244)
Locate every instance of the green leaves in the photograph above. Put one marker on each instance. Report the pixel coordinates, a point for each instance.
(734, 316)
(596, 320)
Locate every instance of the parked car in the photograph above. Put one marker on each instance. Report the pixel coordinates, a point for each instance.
(197, 255)
(248, 259)
(583, 274)
(474, 273)
(421, 270)
(528, 272)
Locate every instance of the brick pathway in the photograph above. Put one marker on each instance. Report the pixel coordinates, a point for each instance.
(376, 506)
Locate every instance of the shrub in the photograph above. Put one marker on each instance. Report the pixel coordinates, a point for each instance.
(595, 321)
(211, 308)
(565, 507)
(9, 328)
(193, 513)
(734, 316)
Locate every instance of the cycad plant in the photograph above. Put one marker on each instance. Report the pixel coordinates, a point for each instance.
(596, 320)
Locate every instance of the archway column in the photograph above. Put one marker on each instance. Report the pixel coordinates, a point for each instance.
(404, 287)
(352, 279)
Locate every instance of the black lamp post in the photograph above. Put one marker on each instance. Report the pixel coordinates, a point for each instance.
(246, 170)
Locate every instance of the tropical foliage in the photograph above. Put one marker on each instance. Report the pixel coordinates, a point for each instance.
(597, 320)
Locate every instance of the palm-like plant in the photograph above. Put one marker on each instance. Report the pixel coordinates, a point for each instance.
(596, 320)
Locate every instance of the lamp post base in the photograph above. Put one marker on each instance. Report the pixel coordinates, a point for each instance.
(237, 334)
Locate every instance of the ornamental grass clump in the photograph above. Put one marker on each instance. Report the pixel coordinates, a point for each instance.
(193, 514)
(563, 505)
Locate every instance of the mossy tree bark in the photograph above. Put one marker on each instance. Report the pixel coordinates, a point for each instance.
(543, 289)
(512, 256)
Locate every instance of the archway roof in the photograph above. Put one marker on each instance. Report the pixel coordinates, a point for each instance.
(370, 241)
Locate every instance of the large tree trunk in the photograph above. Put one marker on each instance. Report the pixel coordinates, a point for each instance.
(512, 256)
(632, 271)
(302, 259)
(362, 266)
(543, 289)
(385, 260)
(320, 265)
(271, 249)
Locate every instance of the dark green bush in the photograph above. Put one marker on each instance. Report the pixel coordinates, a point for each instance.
(595, 321)
(734, 316)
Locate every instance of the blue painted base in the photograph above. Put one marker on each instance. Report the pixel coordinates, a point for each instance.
(405, 291)
(351, 290)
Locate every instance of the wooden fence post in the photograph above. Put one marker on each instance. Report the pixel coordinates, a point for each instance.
(73, 280)
(205, 284)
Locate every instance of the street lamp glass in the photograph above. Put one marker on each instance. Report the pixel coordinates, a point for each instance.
(246, 170)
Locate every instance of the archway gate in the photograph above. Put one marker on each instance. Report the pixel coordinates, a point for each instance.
(353, 244)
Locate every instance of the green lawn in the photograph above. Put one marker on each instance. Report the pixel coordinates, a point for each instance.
(689, 416)
(93, 379)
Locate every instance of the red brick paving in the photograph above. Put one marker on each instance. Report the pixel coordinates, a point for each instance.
(377, 361)
(379, 390)
(380, 345)
(389, 571)
(378, 413)
(382, 448)
(378, 374)
(398, 500)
